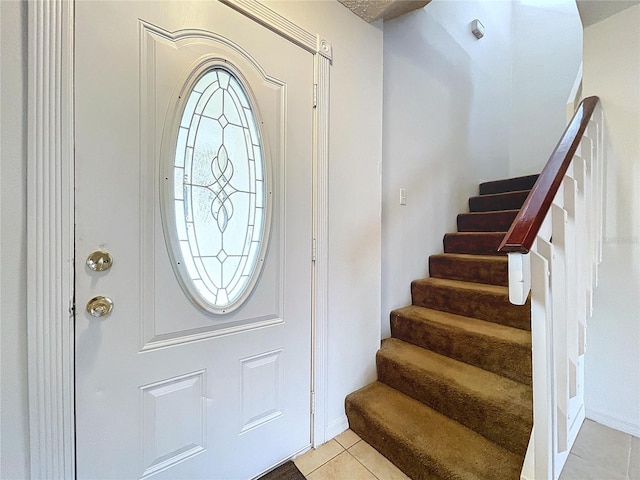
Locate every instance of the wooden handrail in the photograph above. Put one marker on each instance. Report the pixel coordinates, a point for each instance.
(527, 223)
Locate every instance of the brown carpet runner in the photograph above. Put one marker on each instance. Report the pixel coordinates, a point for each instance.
(453, 398)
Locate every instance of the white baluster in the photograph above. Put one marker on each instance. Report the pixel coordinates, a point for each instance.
(584, 271)
(600, 158)
(559, 302)
(561, 271)
(542, 366)
(572, 279)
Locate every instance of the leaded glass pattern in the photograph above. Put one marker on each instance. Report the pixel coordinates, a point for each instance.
(219, 190)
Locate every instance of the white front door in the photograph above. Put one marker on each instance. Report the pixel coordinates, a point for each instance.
(202, 369)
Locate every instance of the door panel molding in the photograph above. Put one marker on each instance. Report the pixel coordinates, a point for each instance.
(150, 41)
(50, 234)
(194, 412)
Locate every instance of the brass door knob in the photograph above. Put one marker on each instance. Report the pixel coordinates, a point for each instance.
(99, 306)
(99, 261)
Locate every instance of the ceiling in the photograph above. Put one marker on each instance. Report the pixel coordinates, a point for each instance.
(371, 10)
(594, 11)
(591, 11)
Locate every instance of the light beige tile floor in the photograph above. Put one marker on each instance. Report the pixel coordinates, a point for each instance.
(347, 457)
(600, 453)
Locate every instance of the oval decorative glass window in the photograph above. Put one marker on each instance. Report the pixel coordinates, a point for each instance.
(220, 207)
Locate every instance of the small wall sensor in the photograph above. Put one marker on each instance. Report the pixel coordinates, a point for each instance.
(477, 29)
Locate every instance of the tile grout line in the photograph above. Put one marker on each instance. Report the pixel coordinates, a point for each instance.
(629, 452)
(329, 459)
(358, 460)
(344, 449)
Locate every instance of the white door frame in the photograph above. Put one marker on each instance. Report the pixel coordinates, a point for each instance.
(50, 226)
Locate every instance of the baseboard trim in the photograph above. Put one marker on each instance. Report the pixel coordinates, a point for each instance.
(336, 427)
(614, 422)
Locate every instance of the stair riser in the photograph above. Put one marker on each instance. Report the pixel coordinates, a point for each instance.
(489, 272)
(385, 442)
(472, 303)
(399, 429)
(486, 222)
(435, 417)
(507, 201)
(505, 359)
(508, 429)
(508, 185)
(475, 244)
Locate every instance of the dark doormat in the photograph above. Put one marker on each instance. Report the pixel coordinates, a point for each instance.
(286, 471)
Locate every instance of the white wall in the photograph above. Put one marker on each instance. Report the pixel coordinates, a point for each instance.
(446, 127)
(14, 425)
(355, 156)
(354, 213)
(547, 53)
(354, 195)
(612, 360)
(459, 111)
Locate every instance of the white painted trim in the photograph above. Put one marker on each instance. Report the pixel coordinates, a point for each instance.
(519, 277)
(616, 423)
(50, 241)
(321, 236)
(337, 426)
(283, 27)
(50, 210)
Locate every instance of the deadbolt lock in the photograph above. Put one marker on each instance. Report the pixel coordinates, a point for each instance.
(99, 261)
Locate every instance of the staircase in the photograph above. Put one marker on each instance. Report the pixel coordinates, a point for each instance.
(453, 398)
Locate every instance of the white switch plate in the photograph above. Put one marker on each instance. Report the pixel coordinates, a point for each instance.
(403, 196)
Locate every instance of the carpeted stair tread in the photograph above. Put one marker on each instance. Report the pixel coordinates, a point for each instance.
(498, 221)
(508, 185)
(498, 408)
(454, 398)
(489, 269)
(424, 443)
(496, 348)
(477, 300)
(498, 201)
(478, 243)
